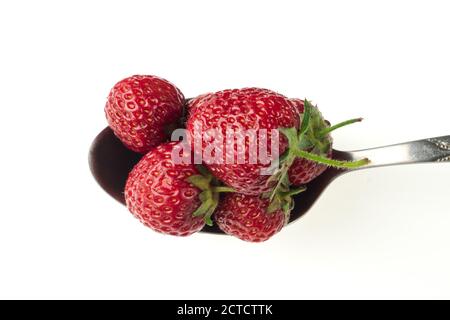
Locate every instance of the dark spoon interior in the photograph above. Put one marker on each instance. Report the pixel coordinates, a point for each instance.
(110, 162)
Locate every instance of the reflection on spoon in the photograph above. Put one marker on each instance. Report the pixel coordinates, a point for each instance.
(110, 163)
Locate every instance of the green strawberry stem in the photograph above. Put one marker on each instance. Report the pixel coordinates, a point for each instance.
(222, 189)
(281, 195)
(330, 162)
(293, 192)
(311, 136)
(203, 208)
(339, 125)
(200, 181)
(209, 195)
(294, 150)
(282, 176)
(305, 118)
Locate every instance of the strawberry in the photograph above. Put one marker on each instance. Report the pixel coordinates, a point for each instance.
(197, 101)
(304, 171)
(171, 197)
(240, 110)
(309, 150)
(247, 217)
(140, 110)
(158, 194)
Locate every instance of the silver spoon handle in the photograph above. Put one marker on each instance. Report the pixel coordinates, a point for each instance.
(420, 151)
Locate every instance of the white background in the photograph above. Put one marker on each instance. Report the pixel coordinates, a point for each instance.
(381, 233)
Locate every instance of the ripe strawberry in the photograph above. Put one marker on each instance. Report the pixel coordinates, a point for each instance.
(170, 197)
(240, 110)
(197, 101)
(299, 105)
(247, 217)
(310, 148)
(140, 109)
(302, 170)
(158, 194)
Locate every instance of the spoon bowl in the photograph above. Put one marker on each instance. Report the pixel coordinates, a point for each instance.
(111, 162)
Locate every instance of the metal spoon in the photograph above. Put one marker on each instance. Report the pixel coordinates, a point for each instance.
(110, 163)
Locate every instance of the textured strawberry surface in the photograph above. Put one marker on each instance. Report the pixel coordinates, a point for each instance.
(158, 194)
(299, 105)
(303, 171)
(197, 102)
(246, 217)
(141, 108)
(240, 110)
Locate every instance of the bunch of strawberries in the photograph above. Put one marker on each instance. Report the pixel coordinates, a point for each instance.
(171, 193)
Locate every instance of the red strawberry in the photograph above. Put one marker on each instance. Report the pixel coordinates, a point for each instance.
(197, 101)
(299, 105)
(158, 193)
(171, 197)
(247, 217)
(302, 170)
(240, 110)
(140, 109)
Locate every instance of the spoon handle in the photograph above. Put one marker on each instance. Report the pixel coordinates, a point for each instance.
(420, 151)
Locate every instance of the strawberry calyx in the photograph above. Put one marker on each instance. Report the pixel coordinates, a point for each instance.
(283, 200)
(281, 195)
(314, 133)
(312, 142)
(210, 194)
